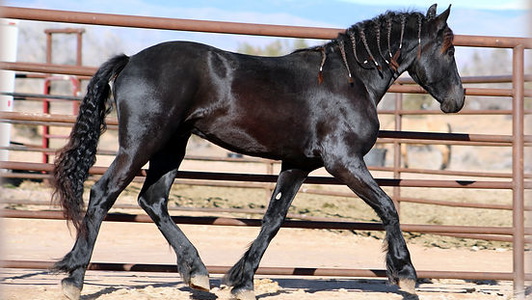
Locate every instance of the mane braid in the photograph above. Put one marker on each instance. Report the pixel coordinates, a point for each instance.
(354, 45)
(419, 23)
(394, 65)
(344, 57)
(378, 36)
(403, 23)
(323, 58)
(365, 42)
(389, 28)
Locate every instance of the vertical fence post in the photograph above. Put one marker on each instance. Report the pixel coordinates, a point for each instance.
(8, 52)
(518, 172)
(398, 117)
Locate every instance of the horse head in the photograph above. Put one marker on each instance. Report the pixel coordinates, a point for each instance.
(434, 67)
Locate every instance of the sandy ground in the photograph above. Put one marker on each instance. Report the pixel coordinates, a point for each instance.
(119, 285)
(219, 245)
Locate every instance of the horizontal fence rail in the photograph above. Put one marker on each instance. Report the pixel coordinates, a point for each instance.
(30, 96)
(412, 135)
(222, 27)
(473, 184)
(466, 231)
(272, 271)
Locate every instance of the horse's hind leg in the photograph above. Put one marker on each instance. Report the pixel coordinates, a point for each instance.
(356, 175)
(153, 199)
(404, 154)
(137, 145)
(240, 277)
(445, 156)
(102, 196)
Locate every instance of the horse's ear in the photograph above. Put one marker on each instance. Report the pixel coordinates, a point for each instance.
(431, 13)
(444, 15)
(440, 22)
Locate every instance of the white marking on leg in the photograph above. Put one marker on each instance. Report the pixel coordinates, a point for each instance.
(278, 196)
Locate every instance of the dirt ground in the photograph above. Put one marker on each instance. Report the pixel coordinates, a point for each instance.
(220, 245)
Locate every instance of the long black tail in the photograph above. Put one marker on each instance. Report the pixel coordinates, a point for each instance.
(73, 162)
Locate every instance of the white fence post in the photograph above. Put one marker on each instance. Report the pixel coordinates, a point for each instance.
(8, 53)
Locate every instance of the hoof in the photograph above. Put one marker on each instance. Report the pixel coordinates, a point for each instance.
(244, 295)
(200, 282)
(408, 285)
(70, 291)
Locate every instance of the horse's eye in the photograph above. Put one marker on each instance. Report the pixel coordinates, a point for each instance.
(451, 52)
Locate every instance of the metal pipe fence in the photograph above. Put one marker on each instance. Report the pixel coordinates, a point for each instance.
(517, 181)
(275, 271)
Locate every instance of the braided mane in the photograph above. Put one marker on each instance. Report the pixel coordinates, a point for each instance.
(387, 31)
(377, 43)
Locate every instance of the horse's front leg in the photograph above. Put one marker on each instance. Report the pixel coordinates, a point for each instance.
(240, 277)
(353, 172)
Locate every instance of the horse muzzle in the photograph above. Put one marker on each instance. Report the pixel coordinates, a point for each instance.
(453, 103)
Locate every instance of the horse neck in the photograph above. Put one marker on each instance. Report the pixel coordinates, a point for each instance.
(377, 57)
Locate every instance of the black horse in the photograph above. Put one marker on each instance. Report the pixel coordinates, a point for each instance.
(313, 108)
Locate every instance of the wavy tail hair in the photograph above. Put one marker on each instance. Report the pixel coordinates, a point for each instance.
(73, 162)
